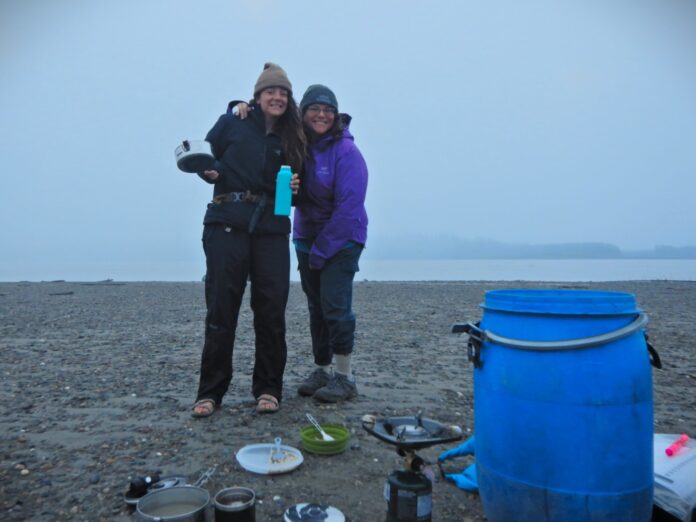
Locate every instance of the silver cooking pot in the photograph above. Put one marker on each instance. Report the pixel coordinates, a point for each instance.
(175, 504)
(194, 156)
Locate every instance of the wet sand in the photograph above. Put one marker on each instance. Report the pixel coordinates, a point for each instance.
(98, 380)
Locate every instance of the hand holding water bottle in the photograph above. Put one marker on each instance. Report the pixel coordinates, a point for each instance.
(295, 183)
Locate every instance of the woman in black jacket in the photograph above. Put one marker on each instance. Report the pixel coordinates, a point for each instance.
(243, 239)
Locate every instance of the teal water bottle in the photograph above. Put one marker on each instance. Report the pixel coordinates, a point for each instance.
(283, 193)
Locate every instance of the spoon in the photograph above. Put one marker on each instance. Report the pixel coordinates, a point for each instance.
(325, 436)
(277, 454)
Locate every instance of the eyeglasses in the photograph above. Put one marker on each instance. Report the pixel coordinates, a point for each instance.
(316, 109)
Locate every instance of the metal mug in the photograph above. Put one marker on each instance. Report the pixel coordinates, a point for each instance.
(236, 504)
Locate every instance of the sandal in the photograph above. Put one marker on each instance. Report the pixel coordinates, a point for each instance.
(203, 408)
(267, 404)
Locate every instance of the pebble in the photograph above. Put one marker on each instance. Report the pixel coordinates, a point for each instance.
(24, 472)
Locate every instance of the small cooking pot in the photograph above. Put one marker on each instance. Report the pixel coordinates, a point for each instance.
(235, 504)
(175, 504)
(194, 156)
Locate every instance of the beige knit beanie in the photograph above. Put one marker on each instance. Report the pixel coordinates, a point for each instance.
(272, 76)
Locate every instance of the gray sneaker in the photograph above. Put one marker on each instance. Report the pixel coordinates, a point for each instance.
(317, 379)
(339, 388)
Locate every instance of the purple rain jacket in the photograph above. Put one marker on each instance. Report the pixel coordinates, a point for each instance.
(330, 210)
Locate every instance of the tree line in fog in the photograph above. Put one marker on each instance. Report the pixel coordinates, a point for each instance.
(439, 247)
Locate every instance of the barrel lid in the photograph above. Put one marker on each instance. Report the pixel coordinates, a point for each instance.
(560, 301)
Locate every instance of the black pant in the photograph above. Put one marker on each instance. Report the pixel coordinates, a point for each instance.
(233, 256)
(329, 294)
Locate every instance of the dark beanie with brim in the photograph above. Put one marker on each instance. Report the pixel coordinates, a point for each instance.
(318, 94)
(273, 75)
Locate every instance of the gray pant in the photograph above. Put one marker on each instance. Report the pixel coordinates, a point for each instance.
(329, 294)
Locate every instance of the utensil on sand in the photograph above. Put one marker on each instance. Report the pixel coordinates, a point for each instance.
(205, 477)
(325, 436)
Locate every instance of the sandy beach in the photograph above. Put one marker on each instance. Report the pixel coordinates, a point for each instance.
(98, 380)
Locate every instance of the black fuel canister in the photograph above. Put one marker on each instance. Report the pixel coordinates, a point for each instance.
(409, 497)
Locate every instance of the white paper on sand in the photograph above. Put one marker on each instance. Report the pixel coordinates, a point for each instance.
(675, 476)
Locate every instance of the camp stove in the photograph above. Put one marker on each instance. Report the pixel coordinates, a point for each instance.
(408, 492)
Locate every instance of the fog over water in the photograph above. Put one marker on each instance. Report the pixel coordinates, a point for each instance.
(521, 123)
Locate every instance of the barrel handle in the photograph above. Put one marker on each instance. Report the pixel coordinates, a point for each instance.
(654, 356)
(570, 344)
(477, 337)
(473, 345)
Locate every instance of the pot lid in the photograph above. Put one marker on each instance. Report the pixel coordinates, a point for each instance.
(194, 156)
(132, 498)
(310, 512)
(168, 482)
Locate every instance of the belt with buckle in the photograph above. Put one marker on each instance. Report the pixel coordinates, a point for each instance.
(237, 197)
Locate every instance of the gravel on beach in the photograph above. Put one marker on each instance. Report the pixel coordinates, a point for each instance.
(98, 380)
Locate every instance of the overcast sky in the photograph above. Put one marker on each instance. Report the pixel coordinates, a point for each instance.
(525, 122)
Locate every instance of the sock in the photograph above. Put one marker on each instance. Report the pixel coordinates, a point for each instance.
(326, 368)
(343, 365)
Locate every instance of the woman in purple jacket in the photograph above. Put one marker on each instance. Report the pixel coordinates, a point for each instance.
(329, 232)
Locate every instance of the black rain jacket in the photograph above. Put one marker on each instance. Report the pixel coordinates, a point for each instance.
(247, 159)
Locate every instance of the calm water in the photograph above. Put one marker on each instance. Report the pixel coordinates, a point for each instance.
(404, 270)
(528, 270)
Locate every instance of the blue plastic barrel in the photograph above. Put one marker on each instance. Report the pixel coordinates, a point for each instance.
(563, 407)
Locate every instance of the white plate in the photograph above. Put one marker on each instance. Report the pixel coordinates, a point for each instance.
(257, 459)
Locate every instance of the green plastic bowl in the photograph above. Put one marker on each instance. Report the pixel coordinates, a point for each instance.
(313, 443)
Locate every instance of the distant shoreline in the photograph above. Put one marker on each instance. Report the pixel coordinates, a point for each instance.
(371, 269)
(483, 249)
